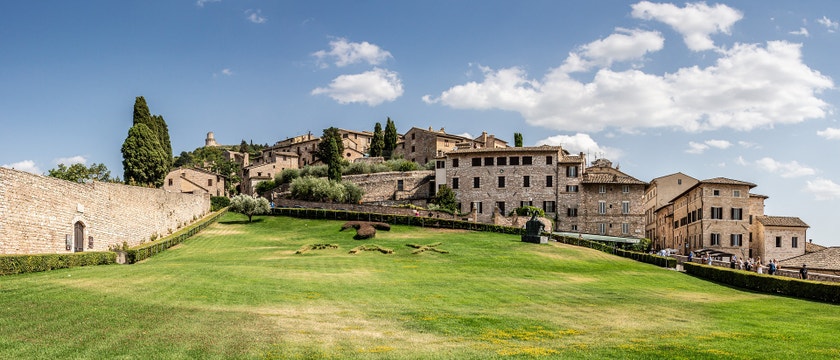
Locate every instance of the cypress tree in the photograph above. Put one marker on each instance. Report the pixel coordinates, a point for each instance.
(141, 112)
(334, 162)
(390, 139)
(330, 150)
(517, 139)
(144, 162)
(378, 142)
(163, 136)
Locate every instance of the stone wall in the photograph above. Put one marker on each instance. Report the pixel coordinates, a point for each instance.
(38, 214)
(394, 186)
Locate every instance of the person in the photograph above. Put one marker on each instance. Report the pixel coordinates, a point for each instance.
(771, 268)
(709, 259)
(690, 256)
(803, 272)
(759, 269)
(732, 263)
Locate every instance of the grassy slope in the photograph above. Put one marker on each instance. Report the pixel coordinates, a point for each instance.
(238, 291)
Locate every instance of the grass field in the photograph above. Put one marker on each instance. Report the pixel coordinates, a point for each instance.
(238, 290)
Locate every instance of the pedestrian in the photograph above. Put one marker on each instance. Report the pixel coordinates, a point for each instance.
(690, 256)
(709, 259)
(803, 272)
(758, 268)
(772, 267)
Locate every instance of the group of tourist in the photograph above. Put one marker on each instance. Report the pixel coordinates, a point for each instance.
(750, 264)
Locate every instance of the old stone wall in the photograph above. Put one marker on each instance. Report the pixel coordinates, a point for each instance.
(38, 214)
(377, 209)
(396, 186)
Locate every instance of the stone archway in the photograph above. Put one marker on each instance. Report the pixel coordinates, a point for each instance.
(78, 237)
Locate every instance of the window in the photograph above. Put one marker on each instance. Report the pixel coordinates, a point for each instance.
(480, 207)
(735, 239)
(794, 242)
(625, 228)
(736, 193)
(602, 189)
(602, 207)
(526, 203)
(501, 181)
(440, 164)
(170, 182)
(715, 192)
(501, 160)
(454, 183)
(572, 188)
(548, 160)
(501, 206)
(574, 228)
(778, 241)
(412, 148)
(454, 162)
(571, 171)
(602, 229)
(488, 161)
(717, 213)
(549, 181)
(210, 181)
(526, 160)
(715, 238)
(526, 181)
(514, 160)
(736, 213)
(476, 182)
(625, 207)
(549, 206)
(400, 185)
(625, 189)
(476, 161)
(412, 135)
(572, 212)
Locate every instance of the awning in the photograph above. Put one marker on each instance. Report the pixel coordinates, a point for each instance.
(603, 238)
(713, 252)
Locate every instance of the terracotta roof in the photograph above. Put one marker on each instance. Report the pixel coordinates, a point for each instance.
(608, 175)
(786, 221)
(811, 247)
(828, 259)
(727, 181)
(544, 148)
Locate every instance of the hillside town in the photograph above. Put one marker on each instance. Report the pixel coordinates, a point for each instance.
(717, 218)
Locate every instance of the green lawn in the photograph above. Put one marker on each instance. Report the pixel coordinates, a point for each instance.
(238, 290)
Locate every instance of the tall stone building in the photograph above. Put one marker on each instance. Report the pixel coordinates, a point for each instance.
(195, 181)
(612, 202)
(356, 145)
(422, 146)
(266, 167)
(658, 195)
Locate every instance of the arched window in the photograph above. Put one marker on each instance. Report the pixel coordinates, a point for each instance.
(79, 237)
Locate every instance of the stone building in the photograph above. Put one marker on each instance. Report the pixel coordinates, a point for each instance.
(394, 187)
(825, 261)
(658, 194)
(778, 237)
(195, 181)
(422, 146)
(266, 167)
(612, 202)
(486, 179)
(356, 145)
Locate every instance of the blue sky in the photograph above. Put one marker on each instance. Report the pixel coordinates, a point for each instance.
(739, 89)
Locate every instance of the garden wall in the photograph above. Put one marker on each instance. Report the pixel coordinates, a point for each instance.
(38, 214)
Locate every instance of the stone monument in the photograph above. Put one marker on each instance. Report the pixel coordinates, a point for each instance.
(533, 229)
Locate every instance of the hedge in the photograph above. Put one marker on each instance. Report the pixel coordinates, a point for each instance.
(820, 291)
(145, 251)
(18, 264)
(657, 260)
(328, 214)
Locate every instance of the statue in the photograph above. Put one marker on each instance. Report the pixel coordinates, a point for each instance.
(533, 229)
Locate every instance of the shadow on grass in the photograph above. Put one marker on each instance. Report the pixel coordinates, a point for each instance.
(240, 222)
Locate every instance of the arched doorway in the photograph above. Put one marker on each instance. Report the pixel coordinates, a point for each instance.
(79, 236)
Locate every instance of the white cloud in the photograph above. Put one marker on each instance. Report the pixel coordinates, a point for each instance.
(740, 161)
(748, 145)
(227, 72)
(832, 26)
(720, 144)
(786, 170)
(346, 53)
(200, 3)
(830, 133)
(372, 87)
(78, 159)
(823, 189)
(255, 16)
(696, 148)
(695, 22)
(749, 86)
(582, 143)
(25, 165)
(802, 31)
(621, 46)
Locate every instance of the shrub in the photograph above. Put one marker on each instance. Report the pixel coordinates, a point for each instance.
(527, 211)
(19, 264)
(357, 169)
(316, 171)
(249, 206)
(219, 202)
(286, 176)
(402, 165)
(323, 190)
(264, 186)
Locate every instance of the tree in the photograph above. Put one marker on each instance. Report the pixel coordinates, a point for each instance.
(79, 173)
(249, 206)
(378, 142)
(390, 139)
(156, 124)
(330, 151)
(243, 146)
(141, 112)
(445, 198)
(163, 136)
(185, 159)
(517, 139)
(144, 162)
